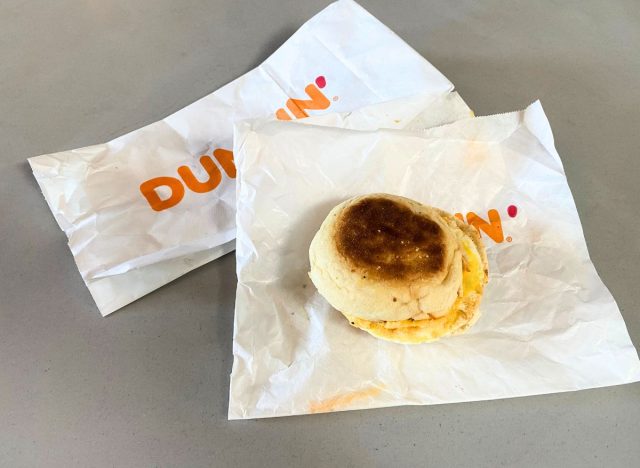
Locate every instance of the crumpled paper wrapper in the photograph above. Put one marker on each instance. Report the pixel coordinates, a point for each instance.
(126, 246)
(548, 322)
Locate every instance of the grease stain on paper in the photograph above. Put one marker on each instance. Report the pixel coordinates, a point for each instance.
(344, 400)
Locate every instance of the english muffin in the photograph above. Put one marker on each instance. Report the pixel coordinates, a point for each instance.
(400, 270)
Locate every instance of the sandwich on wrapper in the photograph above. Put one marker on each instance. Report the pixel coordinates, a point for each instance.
(399, 270)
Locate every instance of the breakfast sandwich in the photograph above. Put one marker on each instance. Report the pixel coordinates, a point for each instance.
(399, 270)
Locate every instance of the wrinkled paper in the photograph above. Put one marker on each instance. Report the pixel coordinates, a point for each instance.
(147, 207)
(548, 323)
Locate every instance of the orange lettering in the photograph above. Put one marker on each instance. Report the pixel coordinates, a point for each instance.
(492, 228)
(281, 114)
(317, 101)
(215, 176)
(297, 107)
(149, 187)
(225, 158)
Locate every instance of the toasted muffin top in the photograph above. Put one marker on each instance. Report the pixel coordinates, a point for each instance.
(388, 239)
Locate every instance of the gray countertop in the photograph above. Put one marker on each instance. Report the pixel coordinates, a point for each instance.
(148, 386)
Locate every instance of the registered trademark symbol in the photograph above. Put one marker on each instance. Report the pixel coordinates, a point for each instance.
(509, 239)
(335, 98)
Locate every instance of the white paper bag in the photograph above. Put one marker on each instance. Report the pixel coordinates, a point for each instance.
(415, 112)
(548, 323)
(151, 205)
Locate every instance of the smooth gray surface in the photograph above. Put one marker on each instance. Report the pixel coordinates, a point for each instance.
(149, 385)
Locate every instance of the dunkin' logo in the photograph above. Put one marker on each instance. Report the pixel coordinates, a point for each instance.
(492, 226)
(316, 101)
(166, 192)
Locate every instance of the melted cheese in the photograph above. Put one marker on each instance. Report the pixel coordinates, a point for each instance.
(473, 280)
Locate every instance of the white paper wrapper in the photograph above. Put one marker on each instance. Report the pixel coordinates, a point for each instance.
(548, 323)
(144, 208)
(417, 112)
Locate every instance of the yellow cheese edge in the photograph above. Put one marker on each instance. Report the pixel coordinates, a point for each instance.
(424, 330)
